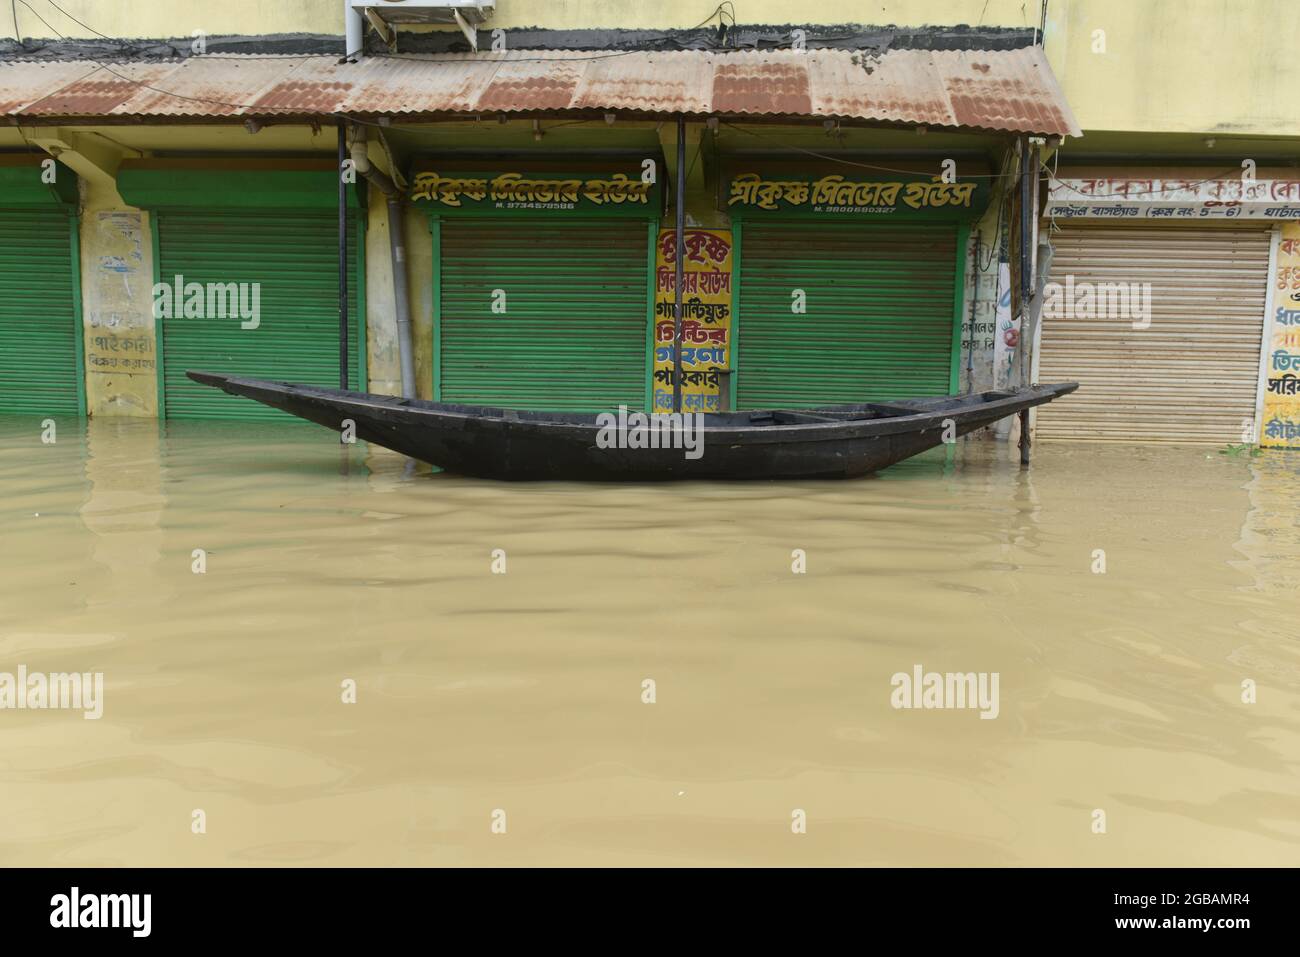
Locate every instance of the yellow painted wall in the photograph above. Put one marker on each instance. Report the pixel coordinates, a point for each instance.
(1223, 66)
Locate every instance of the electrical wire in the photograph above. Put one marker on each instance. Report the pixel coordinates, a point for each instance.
(1051, 175)
(718, 12)
(36, 15)
(699, 148)
(1227, 174)
(1003, 203)
(723, 12)
(841, 160)
(479, 130)
(82, 25)
(398, 178)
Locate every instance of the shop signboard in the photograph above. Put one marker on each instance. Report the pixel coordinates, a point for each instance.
(751, 191)
(1280, 427)
(706, 318)
(1189, 197)
(626, 189)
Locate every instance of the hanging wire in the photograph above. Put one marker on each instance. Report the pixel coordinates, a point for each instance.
(699, 148)
(36, 15)
(84, 26)
(1051, 176)
(995, 247)
(18, 34)
(724, 12)
(720, 12)
(830, 157)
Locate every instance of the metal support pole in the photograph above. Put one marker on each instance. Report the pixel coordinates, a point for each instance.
(1028, 169)
(681, 254)
(1026, 224)
(974, 310)
(343, 259)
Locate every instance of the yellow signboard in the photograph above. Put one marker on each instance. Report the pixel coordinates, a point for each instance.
(836, 194)
(706, 318)
(479, 193)
(1281, 426)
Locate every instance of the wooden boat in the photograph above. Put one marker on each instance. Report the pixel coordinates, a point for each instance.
(839, 441)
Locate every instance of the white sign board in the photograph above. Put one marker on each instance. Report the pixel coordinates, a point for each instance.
(1125, 197)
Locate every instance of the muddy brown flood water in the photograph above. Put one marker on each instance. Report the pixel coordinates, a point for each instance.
(523, 692)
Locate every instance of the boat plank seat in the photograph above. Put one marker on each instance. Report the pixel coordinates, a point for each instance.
(802, 417)
(888, 409)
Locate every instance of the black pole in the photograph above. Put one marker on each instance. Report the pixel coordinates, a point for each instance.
(681, 254)
(343, 259)
(974, 310)
(1027, 161)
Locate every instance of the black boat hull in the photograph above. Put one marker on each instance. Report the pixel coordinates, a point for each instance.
(834, 442)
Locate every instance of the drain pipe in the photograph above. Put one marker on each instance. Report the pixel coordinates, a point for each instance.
(354, 32)
(401, 300)
(397, 249)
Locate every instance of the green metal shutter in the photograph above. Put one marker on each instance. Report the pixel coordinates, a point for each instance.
(293, 255)
(879, 320)
(573, 336)
(40, 373)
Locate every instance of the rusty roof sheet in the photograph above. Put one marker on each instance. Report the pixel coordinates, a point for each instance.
(22, 84)
(1007, 90)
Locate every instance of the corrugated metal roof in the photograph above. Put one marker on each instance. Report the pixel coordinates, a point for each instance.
(1009, 90)
(22, 84)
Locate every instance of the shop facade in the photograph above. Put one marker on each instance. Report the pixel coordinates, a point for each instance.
(542, 279)
(805, 280)
(850, 281)
(555, 288)
(246, 277)
(1161, 303)
(540, 261)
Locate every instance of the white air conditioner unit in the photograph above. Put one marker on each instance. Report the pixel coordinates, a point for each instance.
(381, 14)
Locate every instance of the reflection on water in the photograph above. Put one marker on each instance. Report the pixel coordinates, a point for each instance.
(522, 691)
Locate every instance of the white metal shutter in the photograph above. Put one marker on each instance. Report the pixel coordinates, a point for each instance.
(1191, 377)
